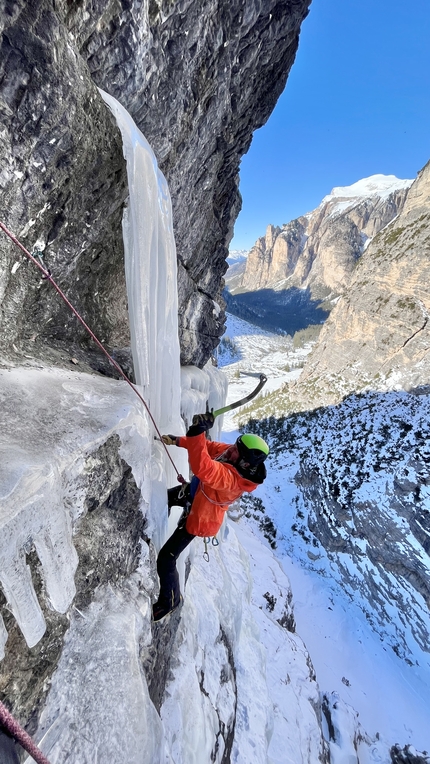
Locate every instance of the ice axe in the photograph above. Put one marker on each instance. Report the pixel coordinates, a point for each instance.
(236, 404)
(249, 397)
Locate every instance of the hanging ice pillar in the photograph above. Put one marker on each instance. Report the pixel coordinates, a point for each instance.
(151, 277)
(151, 273)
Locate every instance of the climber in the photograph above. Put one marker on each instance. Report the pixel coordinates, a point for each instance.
(222, 473)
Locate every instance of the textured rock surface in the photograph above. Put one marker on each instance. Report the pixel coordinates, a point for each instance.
(274, 257)
(408, 755)
(108, 540)
(62, 184)
(377, 336)
(320, 250)
(197, 79)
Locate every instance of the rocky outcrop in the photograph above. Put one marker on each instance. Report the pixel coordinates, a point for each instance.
(408, 755)
(320, 250)
(197, 79)
(274, 256)
(377, 336)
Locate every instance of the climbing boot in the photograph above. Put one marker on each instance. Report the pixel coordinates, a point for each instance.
(161, 609)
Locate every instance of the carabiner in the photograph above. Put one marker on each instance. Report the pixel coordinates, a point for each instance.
(206, 541)
(38, 253)
(182, 490)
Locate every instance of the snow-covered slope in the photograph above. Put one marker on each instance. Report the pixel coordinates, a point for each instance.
(352, 533)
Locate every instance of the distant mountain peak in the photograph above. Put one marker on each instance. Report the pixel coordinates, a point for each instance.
(374, 185)
(237, 256)
(319, 251)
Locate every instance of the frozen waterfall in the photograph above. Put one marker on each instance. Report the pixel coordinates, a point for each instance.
(53, 421)
(242, 687)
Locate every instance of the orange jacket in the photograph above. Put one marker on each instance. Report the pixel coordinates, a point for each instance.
(220, 481)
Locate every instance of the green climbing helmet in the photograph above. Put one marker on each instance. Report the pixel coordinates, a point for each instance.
(252, 448)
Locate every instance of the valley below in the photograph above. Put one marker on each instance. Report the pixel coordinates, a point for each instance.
(346, 509)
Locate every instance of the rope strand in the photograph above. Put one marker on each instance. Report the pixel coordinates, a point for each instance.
(47, 276)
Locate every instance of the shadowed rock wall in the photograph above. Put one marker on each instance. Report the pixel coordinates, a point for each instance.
(62, 185)
(198, 78)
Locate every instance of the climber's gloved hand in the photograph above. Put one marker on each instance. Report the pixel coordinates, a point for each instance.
(169, 440)
(201, 423)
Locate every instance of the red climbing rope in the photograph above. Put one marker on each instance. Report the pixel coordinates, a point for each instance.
(20, 735)
(48, 277)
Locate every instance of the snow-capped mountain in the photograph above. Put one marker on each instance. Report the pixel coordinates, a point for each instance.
(236, 256)
(381, 186)
(318, 252)
(377, 335)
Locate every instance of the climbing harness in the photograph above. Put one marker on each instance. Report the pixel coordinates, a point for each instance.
(211, 501)
(46, 274)
(208, 540)
(20, 735)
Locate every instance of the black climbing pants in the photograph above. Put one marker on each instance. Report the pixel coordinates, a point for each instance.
(8, 750)
(170, 592)
(179, 496)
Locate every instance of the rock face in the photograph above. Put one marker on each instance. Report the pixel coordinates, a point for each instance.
(377, 336)
(197, 79)
(274, 257)
(320, 250)
(62, 186)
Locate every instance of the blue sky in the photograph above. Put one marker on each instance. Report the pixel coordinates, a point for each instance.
(357, 103)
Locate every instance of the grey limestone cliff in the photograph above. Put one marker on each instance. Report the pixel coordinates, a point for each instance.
(320, 250)
(377, 335)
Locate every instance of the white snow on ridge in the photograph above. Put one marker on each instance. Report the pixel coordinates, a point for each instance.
(374, 185)
(342, 198)
(236, 256)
